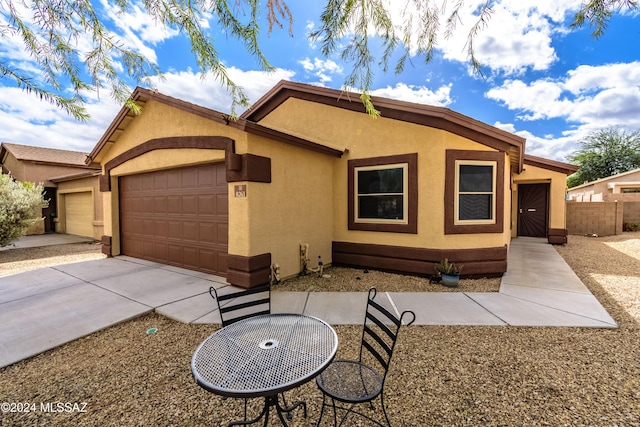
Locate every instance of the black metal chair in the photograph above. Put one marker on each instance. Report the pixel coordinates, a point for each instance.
(360, 381)
(243, 304)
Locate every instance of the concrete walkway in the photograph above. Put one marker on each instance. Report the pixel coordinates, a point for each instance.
(45, 308)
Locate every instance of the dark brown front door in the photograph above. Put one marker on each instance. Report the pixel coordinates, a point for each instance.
(533, 203)
(177, 216)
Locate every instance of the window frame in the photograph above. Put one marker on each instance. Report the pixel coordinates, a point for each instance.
(458, 193)
(455, 158)
(409, 162)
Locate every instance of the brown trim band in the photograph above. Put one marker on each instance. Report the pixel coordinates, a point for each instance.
(450, 227)
(412, 193)
(105, 241)
(426, 115)
(419, 261)
(557, 236)
(240, 167)
(248, 271)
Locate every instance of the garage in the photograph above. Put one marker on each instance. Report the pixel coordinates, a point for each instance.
(177, 217)
(78, 210)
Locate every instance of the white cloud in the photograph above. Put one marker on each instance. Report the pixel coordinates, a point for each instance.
(137, 30)
(591, 97)
(549, 147)
(417, 94)
(35, 122)
(189, 86)
(321, 68)
(606, 95)
(517, 38)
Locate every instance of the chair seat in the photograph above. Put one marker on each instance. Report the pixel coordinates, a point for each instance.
(350, 381)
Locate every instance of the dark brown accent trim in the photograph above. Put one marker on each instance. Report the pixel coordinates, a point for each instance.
(552, 165)
(557, 236)
(426, 115)
(106, 245)
(240, 167)
(419, 261)
(252, 168)
(449, 192)
(259, 130)
(248, 271)
(412, 193)
(105, 183)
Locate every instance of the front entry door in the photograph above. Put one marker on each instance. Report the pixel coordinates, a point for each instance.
(533, 204)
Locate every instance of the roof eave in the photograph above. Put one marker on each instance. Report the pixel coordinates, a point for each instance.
(553, 165)
(433, 116)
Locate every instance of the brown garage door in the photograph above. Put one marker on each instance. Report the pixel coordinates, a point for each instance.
(177, 216)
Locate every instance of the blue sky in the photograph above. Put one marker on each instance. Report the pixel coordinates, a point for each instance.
(541, 81)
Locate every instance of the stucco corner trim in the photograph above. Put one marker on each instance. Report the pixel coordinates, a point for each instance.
(557, 236)
(248, 271)
(106, 245)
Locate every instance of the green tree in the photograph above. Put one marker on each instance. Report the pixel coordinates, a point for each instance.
(21, 205)
(52, 32)
(605, 153)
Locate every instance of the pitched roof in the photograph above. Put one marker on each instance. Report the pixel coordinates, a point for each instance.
(553, 165)
(607, 178)
(44, 155)
(140, 95)
(427, 115)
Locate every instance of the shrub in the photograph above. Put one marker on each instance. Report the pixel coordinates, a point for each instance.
(21, 205)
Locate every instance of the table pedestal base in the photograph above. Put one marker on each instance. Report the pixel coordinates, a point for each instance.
(270, 401)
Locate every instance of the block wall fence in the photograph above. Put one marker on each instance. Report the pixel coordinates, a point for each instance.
(601, 218)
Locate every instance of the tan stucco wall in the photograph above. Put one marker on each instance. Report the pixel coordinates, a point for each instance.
(366, 137)
(557, 193)
(158, 120)
(15, 167)
(295, 208)
(89, 184)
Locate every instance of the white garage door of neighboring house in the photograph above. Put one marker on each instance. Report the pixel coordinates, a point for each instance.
(79, 213)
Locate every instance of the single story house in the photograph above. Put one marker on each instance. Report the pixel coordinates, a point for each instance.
(72, 209)
(620, 187)
(192, 187)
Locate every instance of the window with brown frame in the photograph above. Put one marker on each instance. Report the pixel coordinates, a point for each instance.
(474, 192)
(383, 194)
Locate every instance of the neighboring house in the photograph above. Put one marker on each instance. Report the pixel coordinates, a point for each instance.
(45, 165)
(621, 187)
(191, 187)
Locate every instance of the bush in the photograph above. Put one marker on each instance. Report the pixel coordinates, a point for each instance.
(21, 205)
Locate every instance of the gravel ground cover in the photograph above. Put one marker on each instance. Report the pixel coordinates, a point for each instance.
(441, 375)
(19, 260)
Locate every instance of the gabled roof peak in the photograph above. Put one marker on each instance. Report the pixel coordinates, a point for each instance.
(426, 115)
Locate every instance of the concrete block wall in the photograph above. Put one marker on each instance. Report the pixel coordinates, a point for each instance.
(601, 218)
(631, 212)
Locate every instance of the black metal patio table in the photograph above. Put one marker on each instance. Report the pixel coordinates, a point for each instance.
(263, 356)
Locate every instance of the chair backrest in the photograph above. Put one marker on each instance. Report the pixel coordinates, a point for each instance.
(242, 305)
(380, 332)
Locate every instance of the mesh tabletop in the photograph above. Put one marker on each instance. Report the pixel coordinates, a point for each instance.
(264, 355)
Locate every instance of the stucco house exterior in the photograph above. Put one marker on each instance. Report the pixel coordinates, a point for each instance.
(620, 187)
(191, 187)
(74, 206)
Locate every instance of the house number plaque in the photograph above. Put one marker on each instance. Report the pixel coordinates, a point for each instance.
(240, 190)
